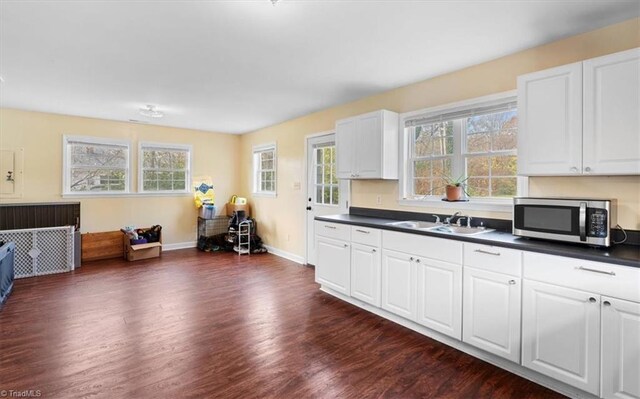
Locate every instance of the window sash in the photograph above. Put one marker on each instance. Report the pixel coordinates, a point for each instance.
(264, 176)
(73, 167)
(157, 184)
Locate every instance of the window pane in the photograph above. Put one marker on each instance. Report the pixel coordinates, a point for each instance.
(163, 159)
(503, 166)
(433, 139)
(319, 175)
(148, 159)
(335, 195)
(422, 169)
(150, 185)
(503, 186)
(478, 166)
(96, 180)
(478, 142)
(179, 160)
(179, 184)
(179, 176)
(334, 177)
(505, 139)
(149, 175)
(478, 186)
(326, 195)
(441, 168)
(319, 156)
(318, 194)
(98, 155)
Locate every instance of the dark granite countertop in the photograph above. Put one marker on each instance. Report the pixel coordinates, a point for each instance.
(626, 255)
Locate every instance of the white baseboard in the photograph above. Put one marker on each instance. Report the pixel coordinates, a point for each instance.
(179, 245)
(285, 254)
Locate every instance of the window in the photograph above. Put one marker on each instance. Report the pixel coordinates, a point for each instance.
(92, 165)
(264, 169)
(326, 182)
(474, 142)
(164, 168)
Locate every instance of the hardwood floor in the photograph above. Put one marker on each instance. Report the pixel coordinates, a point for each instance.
(201, 325)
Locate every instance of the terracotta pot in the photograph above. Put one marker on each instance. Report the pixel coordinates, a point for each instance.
(454, 193)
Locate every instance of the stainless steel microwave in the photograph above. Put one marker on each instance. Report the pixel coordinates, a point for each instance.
(583, 221)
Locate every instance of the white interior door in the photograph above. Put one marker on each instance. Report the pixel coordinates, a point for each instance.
(326, 194)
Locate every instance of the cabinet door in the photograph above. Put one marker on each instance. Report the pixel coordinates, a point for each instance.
(368, 146)
(611, 117)
(620, 349)
(561, 334)
(365, 273)
(550, 121)
(492, 312)
(333, 269)
(439, 295)
(346, 131)
(398, 284)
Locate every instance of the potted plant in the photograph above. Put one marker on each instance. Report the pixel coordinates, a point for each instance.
(455, 188)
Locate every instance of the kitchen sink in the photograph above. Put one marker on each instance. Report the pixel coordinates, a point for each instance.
(413, 224)
(459, 230)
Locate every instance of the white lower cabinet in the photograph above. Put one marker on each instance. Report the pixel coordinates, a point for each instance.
(439, 295)
(492, 312)
(332, 269)
(365, 273)
(398, 284)
(620, 349)
(561, 334)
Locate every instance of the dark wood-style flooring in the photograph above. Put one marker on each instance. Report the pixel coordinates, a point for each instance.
(203, 325)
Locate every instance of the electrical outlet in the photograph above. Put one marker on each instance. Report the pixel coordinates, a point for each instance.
(296, 185)
(379, 200)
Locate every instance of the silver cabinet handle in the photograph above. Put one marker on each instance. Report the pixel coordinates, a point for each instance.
(582, 221)
(586, 269)
(346, 245)
(411, 258)
(417, 260)
(373, 250)
(592, 299)
(512, 282)
(330, 227)
(363, 231)
(587, 169)
(606, 303)
(487, 252)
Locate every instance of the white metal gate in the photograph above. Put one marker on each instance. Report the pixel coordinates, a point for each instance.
(41, 251)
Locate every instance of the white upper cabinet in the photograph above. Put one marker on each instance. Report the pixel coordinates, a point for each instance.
(550, 121)
(581, 118)
(611, 131)
(367, 146)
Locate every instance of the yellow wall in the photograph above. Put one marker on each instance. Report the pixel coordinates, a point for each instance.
(282, 217)
(40, 135)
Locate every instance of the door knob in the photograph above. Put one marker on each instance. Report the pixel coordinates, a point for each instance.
(308, 208)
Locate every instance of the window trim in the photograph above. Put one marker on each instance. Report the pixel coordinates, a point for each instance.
(66, 192)
(404, 178)
(259, 148)
(168, 146)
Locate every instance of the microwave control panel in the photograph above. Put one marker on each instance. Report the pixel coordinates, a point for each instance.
(597, 222)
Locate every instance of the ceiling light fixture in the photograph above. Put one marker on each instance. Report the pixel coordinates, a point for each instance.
(274, 2)
(1, 79)
(151, 112)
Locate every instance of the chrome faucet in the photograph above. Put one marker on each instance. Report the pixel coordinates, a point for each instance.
(464, 217)
(450, 218)
(437, 219)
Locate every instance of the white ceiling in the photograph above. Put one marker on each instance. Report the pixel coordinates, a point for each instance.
(236, 66)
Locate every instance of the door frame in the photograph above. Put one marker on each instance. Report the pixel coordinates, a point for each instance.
(305, 181)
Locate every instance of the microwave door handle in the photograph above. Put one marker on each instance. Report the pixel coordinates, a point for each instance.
(582, 222)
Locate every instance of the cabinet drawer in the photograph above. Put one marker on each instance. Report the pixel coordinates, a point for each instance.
(493, 259)
(365, 235)
(336, 231)
(428, 247)
(599, 278)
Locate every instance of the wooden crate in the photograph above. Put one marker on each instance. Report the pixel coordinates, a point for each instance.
(104, 245)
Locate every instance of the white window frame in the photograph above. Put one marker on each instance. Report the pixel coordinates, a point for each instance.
(258, 149)
(66, 169)
(143, 145)
(405, 178)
